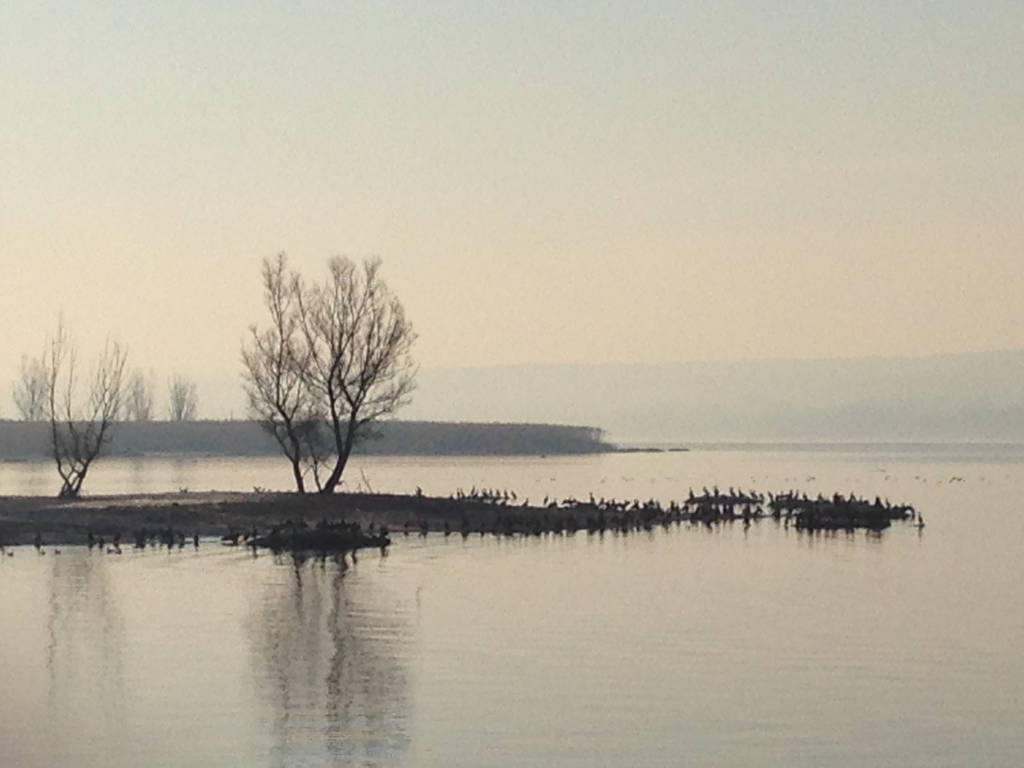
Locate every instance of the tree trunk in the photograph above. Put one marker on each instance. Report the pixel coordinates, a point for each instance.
(335, 477)
(300, 482)
(344, 451)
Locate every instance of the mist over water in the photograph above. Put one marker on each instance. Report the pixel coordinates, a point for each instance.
(687, 645)
(726, 221)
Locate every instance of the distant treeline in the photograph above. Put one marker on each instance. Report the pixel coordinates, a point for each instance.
(30, 440)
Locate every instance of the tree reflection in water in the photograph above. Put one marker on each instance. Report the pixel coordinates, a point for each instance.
(330, 655)
(84, 665)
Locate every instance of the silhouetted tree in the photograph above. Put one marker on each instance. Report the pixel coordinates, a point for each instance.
(29, 390)
(338, 354)
(79, 429)
(274, 360)
(184, 400)
(138, 400)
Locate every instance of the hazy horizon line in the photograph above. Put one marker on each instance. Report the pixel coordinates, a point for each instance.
(715, 360)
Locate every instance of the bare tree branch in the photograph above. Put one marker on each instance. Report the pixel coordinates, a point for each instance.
(184, 399)
(29, 391)
(273, 361)
(138, 401)
(79, 430)
(337, 355)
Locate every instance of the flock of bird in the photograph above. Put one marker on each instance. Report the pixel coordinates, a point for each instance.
(467, 512)
(112, 544)
(710, 507)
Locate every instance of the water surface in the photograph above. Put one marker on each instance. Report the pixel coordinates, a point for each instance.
(726, 647)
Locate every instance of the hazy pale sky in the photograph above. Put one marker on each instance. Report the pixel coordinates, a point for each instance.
(545, 181)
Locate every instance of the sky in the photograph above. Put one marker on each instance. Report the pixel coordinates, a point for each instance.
(546, 182)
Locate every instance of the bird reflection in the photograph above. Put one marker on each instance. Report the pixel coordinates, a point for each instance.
(328, 650)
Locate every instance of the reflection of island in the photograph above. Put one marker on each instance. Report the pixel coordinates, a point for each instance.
(330, 662)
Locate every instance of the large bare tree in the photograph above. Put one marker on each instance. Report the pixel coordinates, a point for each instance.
(337, 356)
(80, 426)
(359, 341)
(29, 390)
(274, 359)
(184, 399)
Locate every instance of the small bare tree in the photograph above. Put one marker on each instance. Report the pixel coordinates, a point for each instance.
(79, 430)
(184, 401)
(29, 390)
(335, 360)
(138, 400)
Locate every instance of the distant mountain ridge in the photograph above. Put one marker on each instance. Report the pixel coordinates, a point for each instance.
(973, 396)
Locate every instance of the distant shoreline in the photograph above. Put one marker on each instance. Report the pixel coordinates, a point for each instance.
(30, 440)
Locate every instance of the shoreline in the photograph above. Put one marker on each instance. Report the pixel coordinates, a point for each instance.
(214, 513)
(48, 521)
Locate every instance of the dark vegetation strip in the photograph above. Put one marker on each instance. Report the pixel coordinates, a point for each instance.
(21, 440)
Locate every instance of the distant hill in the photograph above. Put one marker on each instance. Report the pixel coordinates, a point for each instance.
(940, 398)
(22, 440)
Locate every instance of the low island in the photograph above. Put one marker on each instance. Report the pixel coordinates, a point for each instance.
(344, 521)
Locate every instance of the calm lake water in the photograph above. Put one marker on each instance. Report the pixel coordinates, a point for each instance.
(685, 646)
